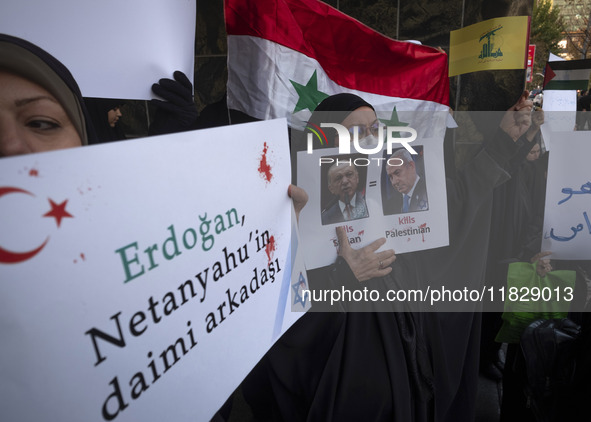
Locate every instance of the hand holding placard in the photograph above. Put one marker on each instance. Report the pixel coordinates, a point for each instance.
(365, 262)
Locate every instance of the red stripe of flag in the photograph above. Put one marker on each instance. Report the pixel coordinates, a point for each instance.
(548, 74)
(352, 54)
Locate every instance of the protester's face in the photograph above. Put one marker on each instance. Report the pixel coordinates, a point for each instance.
(402, 177)
(534, 153)
(31, 119)
(343, 181)
(363, 118)
(113, 115)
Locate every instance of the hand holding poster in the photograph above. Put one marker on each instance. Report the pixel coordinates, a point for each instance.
(396, 191)
(135, 279)
(304, 51)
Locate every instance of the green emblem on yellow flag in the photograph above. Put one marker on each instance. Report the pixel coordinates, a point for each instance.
(495, 44)
(489, 50)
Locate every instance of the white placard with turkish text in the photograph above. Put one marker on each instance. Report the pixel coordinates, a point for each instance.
(142, 280)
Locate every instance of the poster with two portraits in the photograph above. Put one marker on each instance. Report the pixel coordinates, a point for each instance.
(364, 193)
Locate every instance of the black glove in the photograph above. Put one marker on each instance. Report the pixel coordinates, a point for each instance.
(178, 112)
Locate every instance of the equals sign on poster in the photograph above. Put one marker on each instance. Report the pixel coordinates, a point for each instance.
(373, 184)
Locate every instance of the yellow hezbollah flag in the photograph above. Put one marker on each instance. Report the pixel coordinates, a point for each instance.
(499, 43)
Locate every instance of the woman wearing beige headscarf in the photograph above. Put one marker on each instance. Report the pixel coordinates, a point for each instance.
(41, 107)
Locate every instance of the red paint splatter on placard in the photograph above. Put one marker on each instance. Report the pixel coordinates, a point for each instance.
(270, 248)
(34, 172)
(264, 167)
(422, 226)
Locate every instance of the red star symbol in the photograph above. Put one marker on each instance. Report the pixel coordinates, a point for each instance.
(58, 211)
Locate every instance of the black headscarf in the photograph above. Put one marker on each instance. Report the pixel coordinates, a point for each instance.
(35, 64)
(335, 109)
(98, 109)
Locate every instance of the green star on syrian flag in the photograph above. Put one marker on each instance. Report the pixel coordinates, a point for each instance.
(309, 96)
(394, 122)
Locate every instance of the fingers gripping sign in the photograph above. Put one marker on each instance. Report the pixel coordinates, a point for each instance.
(543, 265)
(537, 117)
(299, 198)
(365, 262)
(517, 120)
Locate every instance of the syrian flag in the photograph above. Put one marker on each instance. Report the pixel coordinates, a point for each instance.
(286, 56)
(567, 75)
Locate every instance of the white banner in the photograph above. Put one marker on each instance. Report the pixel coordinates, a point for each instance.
(114, 49)
(142, 280)
(567, 215)
(376, 198)
(560, 112)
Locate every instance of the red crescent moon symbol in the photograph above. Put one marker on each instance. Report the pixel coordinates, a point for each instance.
(6, 256)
